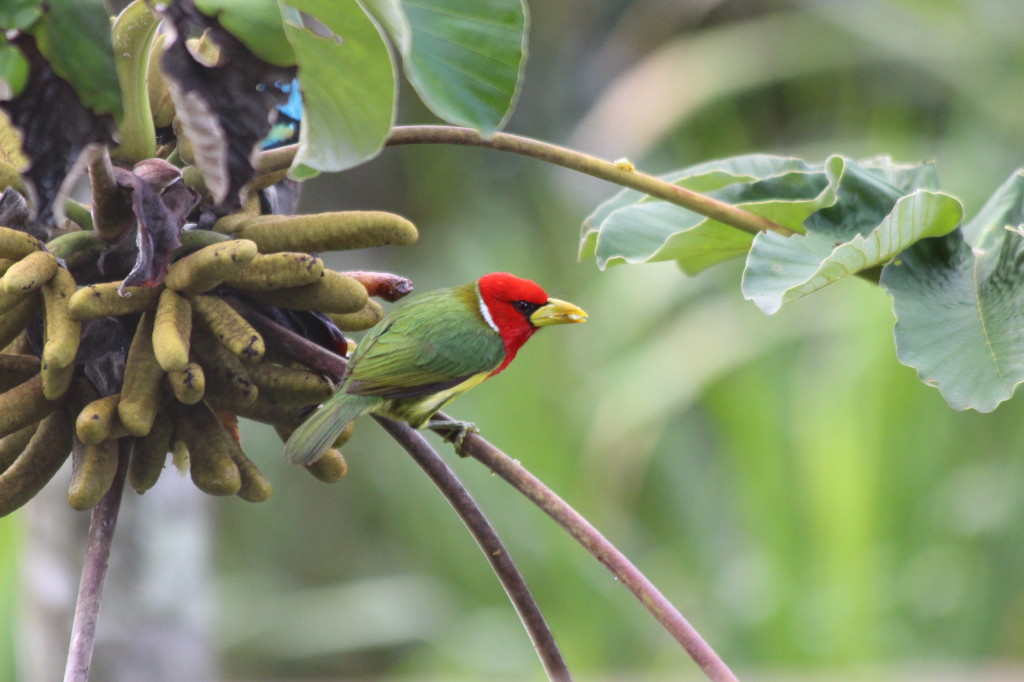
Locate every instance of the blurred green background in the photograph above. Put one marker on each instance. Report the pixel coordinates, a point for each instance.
(806, 502)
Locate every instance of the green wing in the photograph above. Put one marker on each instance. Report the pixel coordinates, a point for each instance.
(435, 341)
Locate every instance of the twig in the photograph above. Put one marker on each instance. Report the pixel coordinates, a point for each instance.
(94, 570)
(605, 552)
(620, 174)
(470, 513)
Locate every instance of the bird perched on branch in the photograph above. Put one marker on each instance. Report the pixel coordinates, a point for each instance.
(427, 352)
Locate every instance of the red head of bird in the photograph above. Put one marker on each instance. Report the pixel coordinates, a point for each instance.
(516, 308)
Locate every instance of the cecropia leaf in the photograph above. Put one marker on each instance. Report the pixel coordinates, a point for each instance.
(631, 227)
(959, 305)
(869, 222)
(349, 89)
(463, 57)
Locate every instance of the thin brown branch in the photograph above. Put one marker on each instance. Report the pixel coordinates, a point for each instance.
(622, 174)
(619, 173)
(603, 550)
(94, 569)
(501, 562)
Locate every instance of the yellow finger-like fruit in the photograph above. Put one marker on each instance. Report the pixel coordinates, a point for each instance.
(255, 486)
(61, 334)
(100, 300)
(15, 244)
(16, 368)
(12, 446)
(143, 380)
(209, 447)
(97, 420)
(330, 467)
(229, 327)
(149, 454)
(209, 266)
(289, 385)
(46, 451)
(332, 293)
(30, 273)
(227, 384)
(371, 314)
(14, 320)
(56, 380)
(188, 384)
(23, 405)
(278, 271)
(92, 471)
(172, 329)
(320, 231)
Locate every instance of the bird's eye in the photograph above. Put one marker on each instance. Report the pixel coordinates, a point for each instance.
(524, 307)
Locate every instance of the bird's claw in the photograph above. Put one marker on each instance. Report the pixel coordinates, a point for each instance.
(454, 431)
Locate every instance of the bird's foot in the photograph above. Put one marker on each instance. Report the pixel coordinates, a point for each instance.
(453, 431)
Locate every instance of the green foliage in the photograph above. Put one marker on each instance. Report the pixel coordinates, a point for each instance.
(257, 23)
(464, 57)
(867, 220)
(633, 228)
(956, 299)
(20, 14)
(348, 86)
(75, 38)
(13, 71)
(959, 311)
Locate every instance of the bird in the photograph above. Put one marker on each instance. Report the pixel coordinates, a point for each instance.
(430, 350)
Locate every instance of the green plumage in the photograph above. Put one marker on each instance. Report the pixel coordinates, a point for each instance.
(419, 357)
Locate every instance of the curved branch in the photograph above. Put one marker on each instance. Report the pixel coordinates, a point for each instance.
(94, 570)
(623, 174)
(603, 550)
(501, 562)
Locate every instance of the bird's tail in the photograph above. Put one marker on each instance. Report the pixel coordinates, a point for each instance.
(316, 435)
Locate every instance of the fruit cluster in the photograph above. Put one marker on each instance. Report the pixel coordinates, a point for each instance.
(190, 360)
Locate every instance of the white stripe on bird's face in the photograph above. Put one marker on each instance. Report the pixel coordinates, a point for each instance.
(485, 312)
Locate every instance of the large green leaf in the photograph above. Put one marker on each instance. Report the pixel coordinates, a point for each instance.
(464, 57)
(348, 84)
(391, 15)
(13, 71)
(870, 221)
(633, 228)
(257, 23)
(19, 14)
(74, 36)
(959, 305)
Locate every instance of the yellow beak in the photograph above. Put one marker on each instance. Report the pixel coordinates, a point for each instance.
(557, 312)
